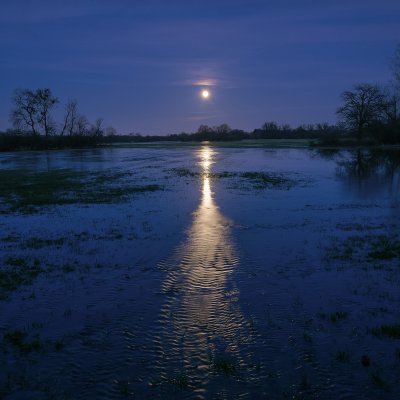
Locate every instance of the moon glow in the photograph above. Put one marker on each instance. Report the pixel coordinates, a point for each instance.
(205, 94)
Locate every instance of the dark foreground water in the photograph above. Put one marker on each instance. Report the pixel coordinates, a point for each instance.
(242, 274)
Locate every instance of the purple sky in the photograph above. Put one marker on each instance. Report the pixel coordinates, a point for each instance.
(138, 63)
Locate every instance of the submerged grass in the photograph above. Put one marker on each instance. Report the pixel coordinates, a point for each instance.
(259, 180)
(388, 330)
(335, 316)
(18, 339)
(17, 272)
(226, 366)
(38, 243)
(27, 191)
(343, 356)
(368, 248)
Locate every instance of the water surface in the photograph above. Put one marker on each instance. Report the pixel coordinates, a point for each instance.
(248, 273)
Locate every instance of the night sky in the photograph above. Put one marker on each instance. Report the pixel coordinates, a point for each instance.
(141, 64)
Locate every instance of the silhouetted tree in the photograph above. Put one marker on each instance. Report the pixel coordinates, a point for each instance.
(82, 125)
(362, 106)
(96, 129)
(32, 110)
(204, 129)
(70, 118)
(24, 115)
(223, 128)
(391, 105)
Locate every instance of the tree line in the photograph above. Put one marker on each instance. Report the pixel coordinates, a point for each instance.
(34, 127)
(368, 114)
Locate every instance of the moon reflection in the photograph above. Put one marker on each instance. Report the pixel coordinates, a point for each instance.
(200, 319)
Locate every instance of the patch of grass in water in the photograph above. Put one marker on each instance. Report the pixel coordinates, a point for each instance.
(392, 331)
(68, 268)
(181, 381)
(260, 180)
(342, 356)
(17, 338)
(27, 191)
(102, 178)
(225, 365)
(368, 247)
(184, 172)
(16, 273)
(359, 227)
(38, 243)
(113, 194)
(263, 180)
(59, 345)
(10, 238)
(385, 248)
(22, 189)
(378, 380)
(335, 316)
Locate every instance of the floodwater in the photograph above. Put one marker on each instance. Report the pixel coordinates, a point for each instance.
(253, 273)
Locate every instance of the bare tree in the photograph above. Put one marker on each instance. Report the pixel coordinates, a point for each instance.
(391, 104)
(32, 110)
(82, 125)
(24, 114)
(70, 117)
(362, 106)
(223, 128)
(204, 129)
(97, 129)
(45, 101)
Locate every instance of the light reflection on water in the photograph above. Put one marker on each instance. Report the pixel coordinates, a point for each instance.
(201, 322)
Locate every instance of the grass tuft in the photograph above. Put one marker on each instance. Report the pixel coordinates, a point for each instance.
(392, 331)
(335, 316)
(226, 366)
(17, 272)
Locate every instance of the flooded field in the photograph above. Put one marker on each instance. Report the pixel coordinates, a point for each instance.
(200, 273)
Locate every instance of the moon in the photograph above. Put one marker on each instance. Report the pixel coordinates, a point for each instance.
(205, 94)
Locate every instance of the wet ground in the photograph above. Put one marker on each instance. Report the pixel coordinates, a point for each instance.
(200, 273)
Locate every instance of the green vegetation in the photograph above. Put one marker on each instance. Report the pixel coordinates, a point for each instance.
(37, 243)
(342, 356)
(335, 316)
(365, 360)
(377, 380)
(225, 365)
(263, 180)
(392, 331)
(17, 272)
(259, 180)
(180, 380)
(385, 248)
(18, 339)
(27, 191)
(307, 336)
(368, 247)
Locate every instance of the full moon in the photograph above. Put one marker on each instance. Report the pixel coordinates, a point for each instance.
(205, 94)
